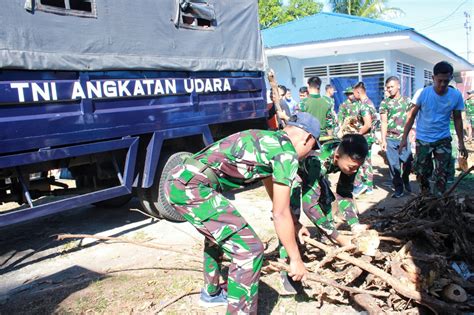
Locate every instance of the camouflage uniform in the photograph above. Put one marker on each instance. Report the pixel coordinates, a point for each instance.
(236, 161)
(396, 110)
(315, 193)
(365, 175)
(331, 102)
(321, 109)
(441, 150)
(469, 106)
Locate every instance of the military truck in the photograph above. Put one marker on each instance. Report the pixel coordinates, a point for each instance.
(113, 92)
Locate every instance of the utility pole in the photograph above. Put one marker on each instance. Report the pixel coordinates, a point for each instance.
(467, 26)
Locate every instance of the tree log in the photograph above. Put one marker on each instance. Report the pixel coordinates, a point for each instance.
(422, 298)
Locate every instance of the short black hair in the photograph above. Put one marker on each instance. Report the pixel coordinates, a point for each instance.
(360, 85)
(283, 88)
(353, 145)
(303, 89)
(392, 78)
(443, 67)
(314, 82)
(328, 86)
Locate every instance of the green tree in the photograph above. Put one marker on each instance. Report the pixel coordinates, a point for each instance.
(274, 12)
(375, 9)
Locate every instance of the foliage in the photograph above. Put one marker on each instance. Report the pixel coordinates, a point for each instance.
(375, 9)
(274, 12)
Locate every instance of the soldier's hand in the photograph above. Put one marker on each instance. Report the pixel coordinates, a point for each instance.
(271, 75)
(343, 240)
(302, 233)
(298, 270)
(383, 145)
(463, 151)
(403, 144)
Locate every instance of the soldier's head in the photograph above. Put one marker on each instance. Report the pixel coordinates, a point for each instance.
(282, 90)
(303, 92)
(442, 75)
(392, 84)
(359, 91)
(349, 92)
(314, 85)
(351, 153)
(330, 90)
(303, 129)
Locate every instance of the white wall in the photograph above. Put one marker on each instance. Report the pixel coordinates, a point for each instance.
(281, 65)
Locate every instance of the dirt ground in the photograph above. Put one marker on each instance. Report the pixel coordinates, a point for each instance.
(40, 275)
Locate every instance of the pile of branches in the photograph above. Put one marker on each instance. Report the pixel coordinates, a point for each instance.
(412, 271)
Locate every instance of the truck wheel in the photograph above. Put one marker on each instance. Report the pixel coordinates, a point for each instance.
(157, 191)
(146, 202)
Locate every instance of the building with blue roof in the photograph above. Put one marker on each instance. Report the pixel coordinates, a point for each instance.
(344, 49)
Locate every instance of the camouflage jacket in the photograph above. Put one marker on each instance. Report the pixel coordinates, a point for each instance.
(469, 107)
(313, 171)
(396, 110)
(366, 107)
(251, 155)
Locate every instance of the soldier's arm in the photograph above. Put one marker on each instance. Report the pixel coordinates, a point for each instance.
(409, 124)
(284, 226)
(459, 131)
(367, 124)
(383, 127)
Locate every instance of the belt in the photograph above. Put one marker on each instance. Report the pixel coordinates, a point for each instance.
(204, 169)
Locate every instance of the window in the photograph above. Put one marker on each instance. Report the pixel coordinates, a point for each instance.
(345, 75)
(195, 14)
(84, 8)
(406, 73)
(428, 77)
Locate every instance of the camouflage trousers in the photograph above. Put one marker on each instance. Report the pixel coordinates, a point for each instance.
(365, 174)
(426, 152)
(226, 233)
(317, 205)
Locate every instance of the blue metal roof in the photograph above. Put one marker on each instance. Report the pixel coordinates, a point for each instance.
(324, 27)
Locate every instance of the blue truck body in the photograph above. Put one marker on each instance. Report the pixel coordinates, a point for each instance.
(59, 119)
(112, 94)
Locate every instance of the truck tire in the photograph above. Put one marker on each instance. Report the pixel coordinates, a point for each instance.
(146, 202)
(157, 193)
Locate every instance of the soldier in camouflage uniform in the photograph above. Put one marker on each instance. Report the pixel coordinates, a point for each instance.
(469, 107)
(194, 190)
(366, 115)
(344, 156)
(319, 107)
(347, 116)
(433, 109)
(393, 113)
(329, 97)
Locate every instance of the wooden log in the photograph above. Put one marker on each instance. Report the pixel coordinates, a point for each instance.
(368, 303)
(330, 282)
(420, 297)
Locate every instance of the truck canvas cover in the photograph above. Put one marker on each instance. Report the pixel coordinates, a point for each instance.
(95, 35)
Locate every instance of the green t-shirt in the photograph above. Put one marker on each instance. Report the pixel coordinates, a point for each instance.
(321, 109)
